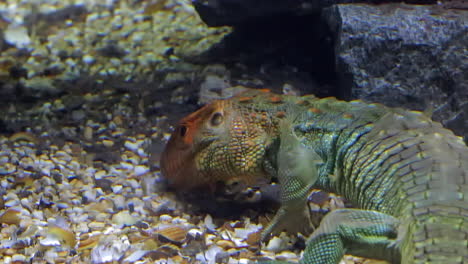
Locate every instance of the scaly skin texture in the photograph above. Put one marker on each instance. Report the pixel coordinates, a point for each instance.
(406, 175)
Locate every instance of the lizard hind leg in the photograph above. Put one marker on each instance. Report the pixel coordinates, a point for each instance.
(363, 233)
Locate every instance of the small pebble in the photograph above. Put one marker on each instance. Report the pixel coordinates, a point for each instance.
(276, 244)
(117, 188)
(140, 170)
(88, 133)
(88, 59)
(131, 145)
(108, 143)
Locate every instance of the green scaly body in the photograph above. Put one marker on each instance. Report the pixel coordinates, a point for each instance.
(407, 175)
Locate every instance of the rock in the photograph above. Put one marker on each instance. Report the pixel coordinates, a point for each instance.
(230, 12)
(235, 12)
(404, 55)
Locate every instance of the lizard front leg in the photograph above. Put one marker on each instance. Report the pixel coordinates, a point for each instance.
(297, 172)
(353, 231)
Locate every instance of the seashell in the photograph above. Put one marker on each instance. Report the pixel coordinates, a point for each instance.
(276, 244)
(126, 165)
(4, 159)
(87, 242)
(109, 249)
(135, 256)
(96, 225)
(7, 169)
(141, 152)
(209, 223)
(117, 188)
(29, 232)
(165, 251)
(62, 155)
(195, 233)
(108, 143)
(117, 133)
(173, 234)
(150, 244)
(179, 221)
(24, 136)
(165, 218)
(119, 201)
(18, 259)
(253, 239)
(209, 239)
(88, 59)
(65, 236)
(210, 254)
(11, 216)
(133, 146)
(245, 232)
(88, 133)
(50, 241)
(139, 170)
(124, 218)
(131, 157)
(287, 255)
(62, 254)
(245, 260)
(100, 174)
(134, 183)
(118, 120)
(225, 244)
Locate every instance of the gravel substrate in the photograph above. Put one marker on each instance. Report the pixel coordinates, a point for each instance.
(46, 43)
(84, 187)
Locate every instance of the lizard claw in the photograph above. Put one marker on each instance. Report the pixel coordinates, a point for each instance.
(290, 219)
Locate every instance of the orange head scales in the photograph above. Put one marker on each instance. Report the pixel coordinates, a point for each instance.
(221, 142)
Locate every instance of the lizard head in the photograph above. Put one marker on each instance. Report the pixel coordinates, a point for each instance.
(218, 143)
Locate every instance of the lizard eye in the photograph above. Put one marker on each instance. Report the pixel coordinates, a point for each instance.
(182, 131)
(216, 119)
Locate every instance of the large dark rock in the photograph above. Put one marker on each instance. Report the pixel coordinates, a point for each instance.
(235, 12)
(407, 56)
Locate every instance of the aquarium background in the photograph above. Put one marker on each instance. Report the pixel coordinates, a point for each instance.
(90, 91)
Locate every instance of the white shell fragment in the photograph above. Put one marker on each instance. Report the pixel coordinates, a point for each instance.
(209, 223)
(135, 256)
(210, 255)
(109, 249)
(17, 35)
(276, 244)
(140, 170)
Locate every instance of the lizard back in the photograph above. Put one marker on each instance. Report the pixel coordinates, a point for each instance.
(390, 160)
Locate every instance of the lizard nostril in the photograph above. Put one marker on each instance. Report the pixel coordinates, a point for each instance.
(182, 131)
(216, 119)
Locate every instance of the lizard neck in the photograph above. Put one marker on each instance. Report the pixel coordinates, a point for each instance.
(337, 137)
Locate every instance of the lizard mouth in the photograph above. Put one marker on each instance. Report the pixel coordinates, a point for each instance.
(179, 160)
(178, 167)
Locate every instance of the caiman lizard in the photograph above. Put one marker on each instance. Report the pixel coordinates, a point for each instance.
(406, 175)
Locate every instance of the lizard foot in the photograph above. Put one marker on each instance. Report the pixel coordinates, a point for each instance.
(292, 219)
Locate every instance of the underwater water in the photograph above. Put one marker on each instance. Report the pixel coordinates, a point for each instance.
(91, 90)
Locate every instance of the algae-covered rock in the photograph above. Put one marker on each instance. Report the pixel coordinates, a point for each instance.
(406, 56)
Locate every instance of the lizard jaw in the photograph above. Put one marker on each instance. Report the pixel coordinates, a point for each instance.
(178, 162)
(176, 165)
